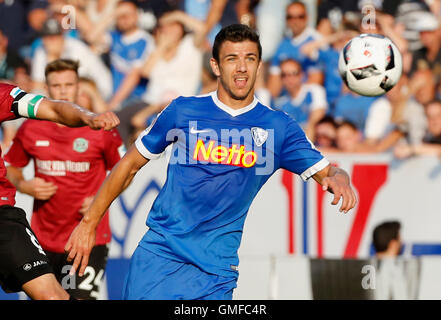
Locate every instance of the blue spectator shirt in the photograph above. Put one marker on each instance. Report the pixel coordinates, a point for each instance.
(127, 52)
(354, 108)
(289, 48)
(310, 97)
(328, 61)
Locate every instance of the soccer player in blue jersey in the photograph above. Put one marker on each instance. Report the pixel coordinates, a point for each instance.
(226, 145)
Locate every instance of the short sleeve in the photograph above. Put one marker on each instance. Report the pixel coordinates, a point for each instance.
(6, 97)
(16, 155)
(153, 140)
(19, 102)
(299, 155)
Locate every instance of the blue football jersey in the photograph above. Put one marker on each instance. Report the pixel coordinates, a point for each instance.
(220, 159)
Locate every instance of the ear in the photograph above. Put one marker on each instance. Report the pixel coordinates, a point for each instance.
(259, 67)
(215, 67)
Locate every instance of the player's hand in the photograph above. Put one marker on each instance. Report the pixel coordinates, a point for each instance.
(340, 186)
(79, 246)
(38, 188)
(106, 120)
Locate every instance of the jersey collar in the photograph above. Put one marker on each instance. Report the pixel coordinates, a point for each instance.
(232, 112)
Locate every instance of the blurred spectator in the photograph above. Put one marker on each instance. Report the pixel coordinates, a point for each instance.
(56, 46)
(386, 239)
(385, 25)
(407, 113)
(411, 14)
(331, 15)
(352, 107)
(306, 103)
(327, 49)
(174, 68)
(22, 78)
(98, 10)
(209, 79)
(128, 46)
(348, 137)
(151, 10)
(214, 13)
(270, 23)
(386, 113)
(431, 144)
(422, 88)
(91, 18)
(433, 114)
(438, 91)
(297, 22)
(89, 97)
(21, 20)
(326, 134)
(9, 59)
(430, 35)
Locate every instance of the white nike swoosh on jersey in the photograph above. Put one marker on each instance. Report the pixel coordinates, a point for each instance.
(194, 131)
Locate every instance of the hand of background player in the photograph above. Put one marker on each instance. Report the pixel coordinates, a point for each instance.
(38, 188)
(79, 246)
(106, 120)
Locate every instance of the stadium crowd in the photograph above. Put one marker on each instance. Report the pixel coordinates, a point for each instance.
(136, 56)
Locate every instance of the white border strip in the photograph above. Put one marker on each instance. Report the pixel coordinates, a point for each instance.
(143, 150)
(308, 173)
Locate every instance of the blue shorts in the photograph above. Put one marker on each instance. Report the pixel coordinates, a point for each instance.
(152, 277)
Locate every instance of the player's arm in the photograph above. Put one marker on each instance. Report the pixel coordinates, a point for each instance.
(337, 181)
(82, 238)
(35, 187)
(73, 115)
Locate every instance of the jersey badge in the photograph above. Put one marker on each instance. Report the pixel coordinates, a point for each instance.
(259, 135)
(80, 145)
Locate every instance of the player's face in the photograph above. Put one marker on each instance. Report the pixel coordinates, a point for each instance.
(63, 85)
(237, 69)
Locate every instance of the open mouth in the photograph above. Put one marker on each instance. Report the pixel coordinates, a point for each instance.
(240, 82)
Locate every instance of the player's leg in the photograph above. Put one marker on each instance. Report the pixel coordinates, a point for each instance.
(22, 260)
(45, 287)
(88, 286)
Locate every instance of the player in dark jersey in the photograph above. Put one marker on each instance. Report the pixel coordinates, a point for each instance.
(69, 164)
(23, 263)
(226, 145)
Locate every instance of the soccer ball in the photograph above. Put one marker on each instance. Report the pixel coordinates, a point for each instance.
(370, 64)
